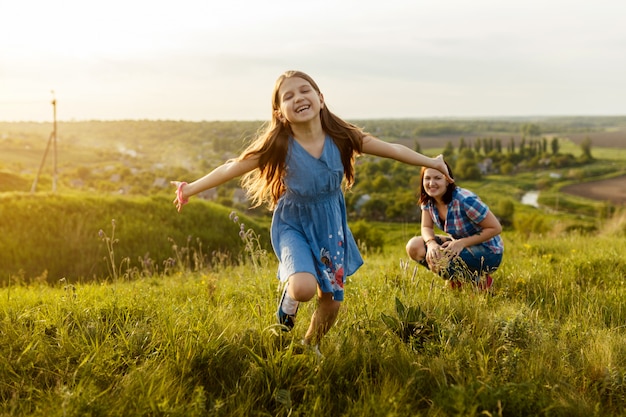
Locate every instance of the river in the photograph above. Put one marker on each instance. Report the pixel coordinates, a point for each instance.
(531, 198)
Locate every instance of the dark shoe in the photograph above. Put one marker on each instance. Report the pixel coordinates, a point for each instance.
(287, 320)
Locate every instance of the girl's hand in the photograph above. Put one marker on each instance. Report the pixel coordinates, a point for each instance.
(180, 199)
(440, 166)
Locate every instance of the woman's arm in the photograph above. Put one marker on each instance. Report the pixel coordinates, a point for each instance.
(375, 146)
(490, 227)
(433, 254)
(428, 227)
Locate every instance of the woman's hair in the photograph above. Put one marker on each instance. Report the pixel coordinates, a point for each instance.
(447, 196)
(265, 185)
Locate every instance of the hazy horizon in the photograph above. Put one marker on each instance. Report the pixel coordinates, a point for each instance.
(427, 119)
(196, 61)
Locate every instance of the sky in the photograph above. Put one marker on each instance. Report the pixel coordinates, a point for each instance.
(207, 60)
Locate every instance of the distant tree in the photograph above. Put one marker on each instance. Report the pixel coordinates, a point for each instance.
(403, 206)
(585, 146)
(462, 144)
(488, 145)
(532, 148)
(554, 144)
(498, 146)
(375, 208)
(417, 147)
(381, 184)
(522, 146)
(478, 145)
(506, 168)
(531, 130)
(448, 151)
(468, 154)
(466, 167)
(512, 145)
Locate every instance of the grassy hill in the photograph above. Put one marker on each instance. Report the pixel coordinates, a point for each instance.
(548, 341)
(71, 237)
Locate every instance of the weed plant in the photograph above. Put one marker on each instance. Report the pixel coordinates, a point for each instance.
(549, 340)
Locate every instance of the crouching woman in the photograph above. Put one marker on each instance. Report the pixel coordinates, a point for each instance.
(472, 248)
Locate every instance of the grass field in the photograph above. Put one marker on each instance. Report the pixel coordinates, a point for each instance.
(549, 341)
(613, 190)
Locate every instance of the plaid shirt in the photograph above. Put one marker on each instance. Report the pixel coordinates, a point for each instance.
(465, 211)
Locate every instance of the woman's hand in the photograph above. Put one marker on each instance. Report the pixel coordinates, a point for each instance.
(453, 247)
(436, 257)
(439, 256)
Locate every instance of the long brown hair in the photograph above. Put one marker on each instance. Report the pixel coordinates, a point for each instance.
(447, 196)
(265, 185)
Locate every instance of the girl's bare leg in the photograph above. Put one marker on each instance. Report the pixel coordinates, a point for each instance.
(323, 318)
(302, 286)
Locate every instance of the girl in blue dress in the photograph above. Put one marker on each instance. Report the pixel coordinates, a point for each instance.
(297, 166)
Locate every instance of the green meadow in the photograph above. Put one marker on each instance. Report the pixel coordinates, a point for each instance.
(201, 339)
(113, 304)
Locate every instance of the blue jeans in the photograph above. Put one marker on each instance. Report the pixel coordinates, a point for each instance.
(471, 264)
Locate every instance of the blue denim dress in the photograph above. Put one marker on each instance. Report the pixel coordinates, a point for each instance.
(309, 227)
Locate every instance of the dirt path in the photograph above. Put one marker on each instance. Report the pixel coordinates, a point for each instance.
(613, 190)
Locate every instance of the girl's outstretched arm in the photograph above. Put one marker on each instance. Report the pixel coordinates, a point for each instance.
(220, 175)
(375, 146)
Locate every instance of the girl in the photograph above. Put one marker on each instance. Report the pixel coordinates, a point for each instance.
(297, 166)
(473, 247)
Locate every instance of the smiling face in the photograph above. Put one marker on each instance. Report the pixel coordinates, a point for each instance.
(434, 183)
(298, 101)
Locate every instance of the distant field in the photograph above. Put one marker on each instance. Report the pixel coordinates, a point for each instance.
(613, 190)
(609, 139)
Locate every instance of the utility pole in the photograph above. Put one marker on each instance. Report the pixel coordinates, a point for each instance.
(51, 140)
(54, 134)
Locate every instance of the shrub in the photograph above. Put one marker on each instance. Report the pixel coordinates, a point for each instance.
(367, 236)
(528, 223)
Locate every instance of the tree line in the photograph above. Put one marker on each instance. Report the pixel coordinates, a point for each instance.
(472, 159)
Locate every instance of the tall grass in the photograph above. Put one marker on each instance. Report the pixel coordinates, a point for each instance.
(550, 340)
(50, 237)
